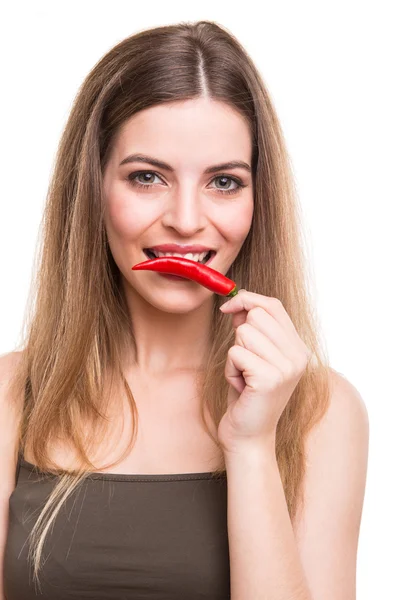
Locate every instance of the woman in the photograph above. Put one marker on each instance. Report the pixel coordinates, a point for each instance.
(229, 458)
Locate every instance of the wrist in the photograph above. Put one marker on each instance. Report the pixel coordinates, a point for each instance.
(251, 452)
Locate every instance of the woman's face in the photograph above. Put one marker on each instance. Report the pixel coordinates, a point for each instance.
(182, 204)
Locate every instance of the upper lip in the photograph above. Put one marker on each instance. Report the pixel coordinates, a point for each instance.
(179, 248)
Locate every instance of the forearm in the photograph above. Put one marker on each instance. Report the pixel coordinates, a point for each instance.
(264, 560)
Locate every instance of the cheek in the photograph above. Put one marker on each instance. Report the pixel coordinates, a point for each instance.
(124, 216)
(235, 224)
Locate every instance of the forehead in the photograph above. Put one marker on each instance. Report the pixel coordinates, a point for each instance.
(200, 131)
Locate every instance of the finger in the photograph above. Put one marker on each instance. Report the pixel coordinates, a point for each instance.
(289, 344)
(241, 364)
(262, 346)
(245, 300)
(243, 369)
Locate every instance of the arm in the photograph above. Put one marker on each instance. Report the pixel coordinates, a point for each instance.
(9, 423)
(316, 559)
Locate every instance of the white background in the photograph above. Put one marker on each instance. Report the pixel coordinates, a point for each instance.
(332, 69)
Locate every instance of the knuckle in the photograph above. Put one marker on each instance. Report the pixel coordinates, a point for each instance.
(255, 312)
(275, 301)
(242, 328)
(232, 351)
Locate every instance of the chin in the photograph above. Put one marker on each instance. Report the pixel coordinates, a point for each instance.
(178, 302)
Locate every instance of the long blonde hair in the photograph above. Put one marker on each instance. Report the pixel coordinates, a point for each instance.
(79, 327)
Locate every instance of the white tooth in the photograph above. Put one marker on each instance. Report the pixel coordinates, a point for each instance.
(170, 254)
(190, 255)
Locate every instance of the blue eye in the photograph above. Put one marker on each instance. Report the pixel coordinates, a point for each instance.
(132, 179)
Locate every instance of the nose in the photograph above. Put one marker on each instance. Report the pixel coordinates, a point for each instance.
(184, 211)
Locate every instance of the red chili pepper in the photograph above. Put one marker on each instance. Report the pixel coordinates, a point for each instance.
(190, 269)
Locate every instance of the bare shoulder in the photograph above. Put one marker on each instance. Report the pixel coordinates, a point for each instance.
(345, 396)
(7, 363)
(9, 423)
(343, 429)
(347, 410)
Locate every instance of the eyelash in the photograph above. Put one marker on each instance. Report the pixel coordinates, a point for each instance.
(131, 177)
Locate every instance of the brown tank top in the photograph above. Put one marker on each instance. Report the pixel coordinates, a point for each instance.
(121, 537)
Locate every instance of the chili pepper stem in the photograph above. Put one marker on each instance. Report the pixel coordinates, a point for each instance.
(233, 292)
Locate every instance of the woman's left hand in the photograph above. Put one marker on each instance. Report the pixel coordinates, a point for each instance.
(263, 368)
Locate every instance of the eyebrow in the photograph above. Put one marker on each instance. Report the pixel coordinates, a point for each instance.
(233, 164)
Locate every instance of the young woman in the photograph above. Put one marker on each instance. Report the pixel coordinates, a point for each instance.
(159, 441)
